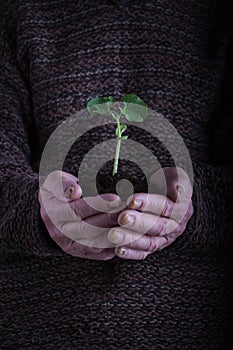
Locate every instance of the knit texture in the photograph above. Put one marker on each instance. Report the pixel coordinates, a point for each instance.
(54, 57)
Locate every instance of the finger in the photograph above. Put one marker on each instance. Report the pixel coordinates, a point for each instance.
(91, 232)
(165, 241)
(69, 246)
(145, 222)
(105, 220)
(79, 250)
(99, 241)
(122, 236)
(106, 254)
(93, 245)
(62, 185)
(81, 231)
(89, 206)
(60, 212)
(173, 182)
(125, 236)
(159, 205)
(142, 242)
(131, 254)
(152, 243)
(135, 252)
(67, 243)
(163, 228)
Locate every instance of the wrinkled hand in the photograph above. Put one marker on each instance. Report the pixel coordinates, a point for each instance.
(76, 224)
(154, 221)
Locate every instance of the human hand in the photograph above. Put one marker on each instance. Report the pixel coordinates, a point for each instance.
(154, 221)
(79, 226)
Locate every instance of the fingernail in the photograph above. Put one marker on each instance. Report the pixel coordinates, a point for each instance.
(127, 219)
(115, 236)
(113, 204)
(135, 204)
(122, 251)
(69, 191)
(180, 191)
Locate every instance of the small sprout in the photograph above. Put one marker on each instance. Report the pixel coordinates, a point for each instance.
(134, 109)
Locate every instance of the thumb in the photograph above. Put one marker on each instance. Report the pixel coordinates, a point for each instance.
(173, 182)
(63, 186)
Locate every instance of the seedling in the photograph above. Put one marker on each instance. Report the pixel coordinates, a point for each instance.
(132, 107)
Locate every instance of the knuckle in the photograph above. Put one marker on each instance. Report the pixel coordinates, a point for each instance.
(177, 230)
(171, 226)
(172, 238)
(62, 226)
(143, 255)
(151, 245)
(161, 228)
(169, 239)
(56, 235)
(180, 212)
(141, 226)
(182, 228)
(94, 250)
(113, 218)
(176, 233)
(108, 257)
(67, 247)
(164, 244)
(167, 208)
(82, 227)
(179, 216)
(150, 205)
(158, 227)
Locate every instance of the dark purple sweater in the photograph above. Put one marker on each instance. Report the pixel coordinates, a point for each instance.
(54, 57)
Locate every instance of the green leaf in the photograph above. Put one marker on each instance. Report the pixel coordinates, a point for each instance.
(100, 105)
(123, 138)
(134, 113)
(135, 109)
(132, 98)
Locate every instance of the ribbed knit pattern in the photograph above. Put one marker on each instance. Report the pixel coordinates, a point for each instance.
(54, 57)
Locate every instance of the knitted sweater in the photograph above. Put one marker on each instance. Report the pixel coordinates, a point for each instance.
(54, 57)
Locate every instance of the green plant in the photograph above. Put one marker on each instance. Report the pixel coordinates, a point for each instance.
(132, 107)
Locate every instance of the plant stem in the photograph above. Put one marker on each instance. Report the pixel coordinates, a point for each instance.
(118, 125)
(118, 145)
(117, 153)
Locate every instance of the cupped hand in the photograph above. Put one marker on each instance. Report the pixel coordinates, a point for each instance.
(78, 225)
(153, 221)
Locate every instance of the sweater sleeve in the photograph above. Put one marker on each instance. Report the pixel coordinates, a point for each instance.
(211, 227)
(21, 228)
